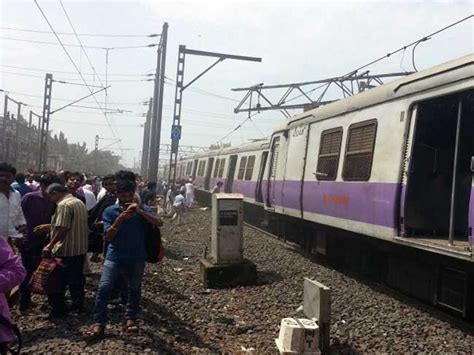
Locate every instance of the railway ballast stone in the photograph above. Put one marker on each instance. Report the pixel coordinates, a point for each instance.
(179, 315)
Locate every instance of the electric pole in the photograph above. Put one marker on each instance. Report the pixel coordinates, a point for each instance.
(157, 112)
(146, 141)
(43, 153)
(178, 100)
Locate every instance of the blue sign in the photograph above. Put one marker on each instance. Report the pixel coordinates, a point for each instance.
(176, 132)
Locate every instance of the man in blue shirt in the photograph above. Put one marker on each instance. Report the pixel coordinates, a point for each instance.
(125, 225)
(20, 186)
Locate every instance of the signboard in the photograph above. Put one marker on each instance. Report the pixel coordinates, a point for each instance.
(175, 132)
(228, 218)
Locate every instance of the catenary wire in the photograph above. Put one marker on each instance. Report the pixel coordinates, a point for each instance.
(73, 63)
(80, 34)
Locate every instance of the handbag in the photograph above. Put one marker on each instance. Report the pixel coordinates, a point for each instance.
(46, 279)
(153, 246)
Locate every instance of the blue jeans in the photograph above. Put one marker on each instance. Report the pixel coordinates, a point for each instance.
(132, 274)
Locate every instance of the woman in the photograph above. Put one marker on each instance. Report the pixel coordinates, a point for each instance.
(12, 274)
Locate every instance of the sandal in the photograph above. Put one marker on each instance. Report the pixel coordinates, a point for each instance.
(95, 334)
(131, 325)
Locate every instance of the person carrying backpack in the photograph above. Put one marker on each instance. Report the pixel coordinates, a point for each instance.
(126, 225)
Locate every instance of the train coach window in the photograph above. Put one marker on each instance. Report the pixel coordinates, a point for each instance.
(329, 151)
(221, 168)
(249, 169)
(360, 151)
(200, 170)
(243, 164)
(216, 167)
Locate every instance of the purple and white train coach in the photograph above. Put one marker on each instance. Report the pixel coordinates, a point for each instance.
(394, 163)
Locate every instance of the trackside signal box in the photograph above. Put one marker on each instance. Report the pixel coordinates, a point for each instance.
(226, 266)
(227, 228)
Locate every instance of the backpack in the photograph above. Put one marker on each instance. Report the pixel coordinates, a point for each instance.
(153, 246)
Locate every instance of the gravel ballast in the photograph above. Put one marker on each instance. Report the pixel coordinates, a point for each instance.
(180, 316)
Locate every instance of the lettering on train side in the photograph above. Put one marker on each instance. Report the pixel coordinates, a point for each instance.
(336, 199)
(298, 131)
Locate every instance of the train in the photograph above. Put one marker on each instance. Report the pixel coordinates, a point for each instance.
(381, 181)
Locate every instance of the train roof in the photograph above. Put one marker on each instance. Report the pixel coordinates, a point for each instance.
(443, 74)
(261, 144)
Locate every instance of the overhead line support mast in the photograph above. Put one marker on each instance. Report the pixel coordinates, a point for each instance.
(180, 87)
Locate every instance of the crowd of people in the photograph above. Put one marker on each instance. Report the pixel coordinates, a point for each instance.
(77, 219)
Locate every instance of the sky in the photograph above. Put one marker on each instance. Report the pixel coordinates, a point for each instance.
(297, 41)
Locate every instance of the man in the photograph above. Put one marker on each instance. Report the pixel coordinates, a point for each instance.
(32, 181)
(96, 224)
(20, 186)
(69, 243)
(73, 184)
(89, 193)
(150, 193)
(179, 206)
(38, 210)
(126, 225)
(189, 189)
(217, 189)
(12, 220)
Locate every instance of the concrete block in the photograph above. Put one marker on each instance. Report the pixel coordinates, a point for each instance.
(311, 335)
(298, 336)
(316, 301)
(317, 305)
(227, 275)
(291, 334)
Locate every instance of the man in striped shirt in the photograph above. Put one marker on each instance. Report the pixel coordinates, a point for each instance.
(69, 232)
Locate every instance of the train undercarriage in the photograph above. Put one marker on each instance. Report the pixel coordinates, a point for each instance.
(440, 280)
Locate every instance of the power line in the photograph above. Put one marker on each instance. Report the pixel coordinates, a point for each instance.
(75, 45)
(81, 122)
(203, 92)
(425, 38)
(80, 34)
(73, 63)
(74, 79)
(238, 127)
(65, 72)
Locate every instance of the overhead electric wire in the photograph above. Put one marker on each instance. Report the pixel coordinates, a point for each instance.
(80, 34)
(73, 63)
(66, 72)
(238, 127)
(201, 91)
(75, 45)
(74, 79)
(414, 43)
(424, 38)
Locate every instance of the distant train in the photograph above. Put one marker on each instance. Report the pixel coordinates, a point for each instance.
(393, 164)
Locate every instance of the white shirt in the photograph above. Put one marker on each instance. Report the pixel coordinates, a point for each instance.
(178, 201)
(101, 194)
(11, 214)
(90, 199)
(189, 187)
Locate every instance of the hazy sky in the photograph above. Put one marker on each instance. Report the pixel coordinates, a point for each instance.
(298, 41)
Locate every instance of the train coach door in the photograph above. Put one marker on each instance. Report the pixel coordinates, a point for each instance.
(439, 196)
(258, 189)
(207, 178)
(273, 195)
(230, 174)
(293, 181)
